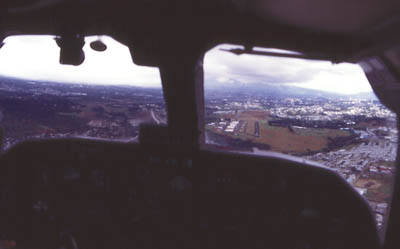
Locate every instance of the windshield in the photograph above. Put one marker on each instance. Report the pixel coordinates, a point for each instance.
(310, 109)
(107, 97)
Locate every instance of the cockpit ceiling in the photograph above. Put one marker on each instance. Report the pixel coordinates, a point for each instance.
(329, 16)
(337, 30)
(333, 16)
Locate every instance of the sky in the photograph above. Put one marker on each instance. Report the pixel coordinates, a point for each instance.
(37, 58)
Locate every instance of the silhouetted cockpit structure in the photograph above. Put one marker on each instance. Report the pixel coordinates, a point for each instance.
(169, 191)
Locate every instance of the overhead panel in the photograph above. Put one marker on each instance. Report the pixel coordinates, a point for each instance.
(337, 16)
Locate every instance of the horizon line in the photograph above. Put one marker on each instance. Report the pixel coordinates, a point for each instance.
(160, 85)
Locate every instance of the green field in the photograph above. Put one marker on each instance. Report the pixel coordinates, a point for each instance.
(282, 139)
(379, 190)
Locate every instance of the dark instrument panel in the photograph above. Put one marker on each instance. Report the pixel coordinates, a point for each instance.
(107, 194)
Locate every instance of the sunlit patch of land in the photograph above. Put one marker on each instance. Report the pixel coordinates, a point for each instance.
(379, 188)
(293, 140)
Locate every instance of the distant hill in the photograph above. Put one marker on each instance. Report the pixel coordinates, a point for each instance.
(272, 90)
(269, 90)
(52, 87)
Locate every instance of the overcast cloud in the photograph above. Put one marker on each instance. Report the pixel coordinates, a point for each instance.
(221, 67)
(36, 58)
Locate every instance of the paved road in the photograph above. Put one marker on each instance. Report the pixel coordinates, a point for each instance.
(154, 117)
(256, 129)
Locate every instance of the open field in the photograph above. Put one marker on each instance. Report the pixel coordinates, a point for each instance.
(281, 139)
(370, 184)
(379, 190)
(259, 115)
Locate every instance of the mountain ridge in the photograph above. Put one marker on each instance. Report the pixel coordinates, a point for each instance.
(281, 91)
(271, 90)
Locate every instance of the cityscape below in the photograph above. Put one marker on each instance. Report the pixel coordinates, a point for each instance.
(354, 135)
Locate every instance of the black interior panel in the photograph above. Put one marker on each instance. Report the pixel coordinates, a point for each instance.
(106, 194)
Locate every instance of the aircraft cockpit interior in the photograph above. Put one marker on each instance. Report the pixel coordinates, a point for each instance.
(241, 139)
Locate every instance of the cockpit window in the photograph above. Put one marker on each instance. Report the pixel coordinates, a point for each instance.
(310, 109)
(106, 97)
